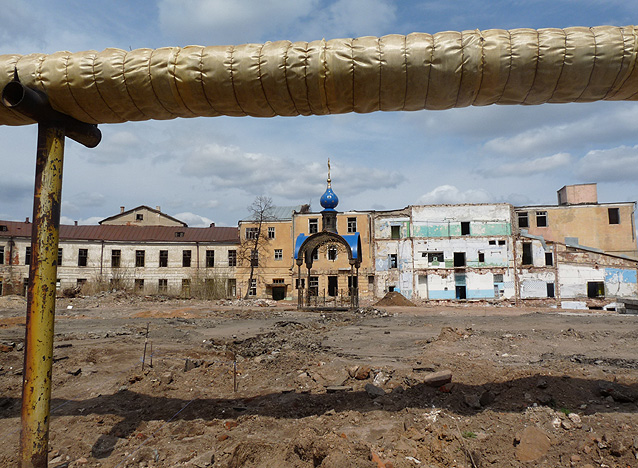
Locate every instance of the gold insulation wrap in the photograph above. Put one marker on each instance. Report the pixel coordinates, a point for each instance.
(367, 74)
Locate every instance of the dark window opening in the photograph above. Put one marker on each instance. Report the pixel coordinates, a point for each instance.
(435, 258)
(333, 286)
(139, 285)
(83, 256)
(162, 286)
(186, 258)
(186, 287)
(465, 228)
(481, 257)
(352, 225)
(392, 260)
(550, 290)
(210, 258)
(492, 242)
(614, 215)
(163, 258)
(300, 283)
(271, 233)
(80, 282)
(395, 232)
(139, 258)
(541, 219)
(27, 256)
(59, 257)
(459, 259)
(251, 233)
(391, 288)
(1, 255)
(353, 282)
(116, 257)
(498, 277)
(332, 253)
(595, 289)
(313, 285)
(254, 258)
(232, 258)
(501, 242)
(370, 280)
(139, 217)
(549, 259)
(461, 292)
(179, 234)
(523, 220)
(313, 225)
(527, 254)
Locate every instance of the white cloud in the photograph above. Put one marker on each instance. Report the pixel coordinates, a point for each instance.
(533, 166)
(614, 164)
(193, 220)
(449, 194)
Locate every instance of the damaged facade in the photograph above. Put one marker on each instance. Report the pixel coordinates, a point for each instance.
(578, 253)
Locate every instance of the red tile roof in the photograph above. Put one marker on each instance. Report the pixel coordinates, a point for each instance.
(129, 233)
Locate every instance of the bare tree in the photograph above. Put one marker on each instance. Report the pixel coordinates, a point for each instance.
(255, 237)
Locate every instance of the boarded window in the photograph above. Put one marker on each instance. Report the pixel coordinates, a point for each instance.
(541, 219)
(523, 220)
(163, 258)
(232, 258)
(139, 258)
(528, 259)
(465, 228)
(186, 258)
(614, 215)
(83, 257)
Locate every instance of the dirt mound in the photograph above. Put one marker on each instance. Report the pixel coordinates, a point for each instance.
(394, 298)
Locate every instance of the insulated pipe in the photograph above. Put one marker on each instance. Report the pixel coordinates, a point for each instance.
(35, 104)
(366, 74)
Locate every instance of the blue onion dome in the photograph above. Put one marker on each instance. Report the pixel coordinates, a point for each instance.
(329, 199)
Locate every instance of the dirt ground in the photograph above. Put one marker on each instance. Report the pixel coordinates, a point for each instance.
(258, 384)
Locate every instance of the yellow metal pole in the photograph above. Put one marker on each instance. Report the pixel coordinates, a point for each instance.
(38, 357)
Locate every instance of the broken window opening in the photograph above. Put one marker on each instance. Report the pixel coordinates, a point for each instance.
(210, 258)
(549, 259)
(492, 242)
(59, 256)
(435, 258)
(186, 258)
(541, 219)
(501, 242)
(313, 285)
(252, 232)
(1, 255)
(83, 257)
(614, 215)
(595, 289)
(139, 258)
(550, 290)
(459, 259)
(528, 258)
(392, 260)
(395, 232)
(80, 282)
(313, 225)
(139, 217)
(481, 257)
(139, 284)
(186, 287)
(27, 256)
(300, 283)
(254, 258)
(353, 282)
(162, 286)
(163, 258)
(332, 253)
(465, 228)
(523, 220)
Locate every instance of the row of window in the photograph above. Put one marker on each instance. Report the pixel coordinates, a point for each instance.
(313, 228)
(140, 258)
(613, 215)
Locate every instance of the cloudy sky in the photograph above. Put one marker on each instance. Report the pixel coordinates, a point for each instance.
(210, 169)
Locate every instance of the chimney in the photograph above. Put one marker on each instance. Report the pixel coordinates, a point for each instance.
(121, 209)
(27, 220)
(75, 222)
(158, 208)
(212, 225)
